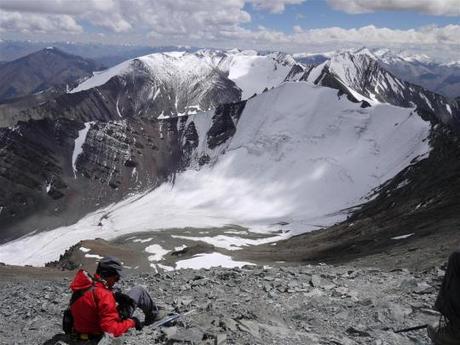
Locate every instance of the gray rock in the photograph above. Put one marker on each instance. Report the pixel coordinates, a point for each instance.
(193, 335)
(221, 339)
(250, 327)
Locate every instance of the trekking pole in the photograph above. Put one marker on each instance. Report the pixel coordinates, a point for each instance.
(171, 318)
(416, 328)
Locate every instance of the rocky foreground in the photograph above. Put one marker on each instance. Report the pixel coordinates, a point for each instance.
(318, 304)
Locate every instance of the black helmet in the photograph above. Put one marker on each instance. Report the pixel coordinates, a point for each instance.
(109, 266)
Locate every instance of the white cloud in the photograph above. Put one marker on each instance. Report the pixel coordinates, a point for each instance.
(29, 22)
(432, 7)
(368, 35)
(449, 34)
(213, 23)
(274, 6)
(182, 17)
(74, 7)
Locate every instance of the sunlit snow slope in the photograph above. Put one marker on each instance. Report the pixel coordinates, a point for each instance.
(251, 72)
(300, 155)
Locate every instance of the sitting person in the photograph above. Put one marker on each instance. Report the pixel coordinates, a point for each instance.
(96, 309)
(448, 304)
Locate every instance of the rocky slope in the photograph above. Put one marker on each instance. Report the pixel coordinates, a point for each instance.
(132, 133)
(54, 172)
(252, 305)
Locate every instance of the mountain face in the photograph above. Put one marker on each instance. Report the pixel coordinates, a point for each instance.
(165, 85)
(181, 139)
(41, 71)
(252, 164)
(183, 83)
(52, 172)
(361, 77)
(441, 78)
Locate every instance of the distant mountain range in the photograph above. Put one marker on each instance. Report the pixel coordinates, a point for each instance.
(419, 69)
(103, 54)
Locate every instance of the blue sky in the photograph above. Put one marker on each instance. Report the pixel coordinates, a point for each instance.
(318, 14)
(287, 25)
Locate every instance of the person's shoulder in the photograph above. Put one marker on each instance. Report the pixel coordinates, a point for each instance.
(102, 291)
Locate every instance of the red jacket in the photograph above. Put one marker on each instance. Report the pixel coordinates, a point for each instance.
(96, 311)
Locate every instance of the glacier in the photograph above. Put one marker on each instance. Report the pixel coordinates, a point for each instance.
(300, 155)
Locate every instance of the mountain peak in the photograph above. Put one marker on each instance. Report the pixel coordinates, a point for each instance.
(365, 51)
(46, 69)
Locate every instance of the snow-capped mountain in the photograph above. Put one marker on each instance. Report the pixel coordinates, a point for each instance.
(186, 125)
(361, 76)
(442, 78)
(182, 83)
(165, 85)
(437, 76)
(282, 156)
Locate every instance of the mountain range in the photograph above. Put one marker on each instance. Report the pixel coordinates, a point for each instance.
(438, 76)
(218, 137)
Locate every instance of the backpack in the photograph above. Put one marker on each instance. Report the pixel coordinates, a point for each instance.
(67, 318)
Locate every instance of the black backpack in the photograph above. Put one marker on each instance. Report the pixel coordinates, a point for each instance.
(67, 318)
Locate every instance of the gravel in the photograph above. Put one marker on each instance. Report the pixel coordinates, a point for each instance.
(313, 304)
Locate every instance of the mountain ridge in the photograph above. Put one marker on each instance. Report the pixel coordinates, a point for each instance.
(116, 154)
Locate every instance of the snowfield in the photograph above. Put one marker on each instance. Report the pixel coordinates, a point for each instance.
(300, 155)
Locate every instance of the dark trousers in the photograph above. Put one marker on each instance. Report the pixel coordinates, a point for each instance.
(448, 300)
(137, 297)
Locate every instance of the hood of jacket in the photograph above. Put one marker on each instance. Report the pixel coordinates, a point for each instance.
(81, 281)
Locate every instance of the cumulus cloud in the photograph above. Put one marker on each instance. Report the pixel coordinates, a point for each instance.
(432, 7)
(368, 35)
(103, 13)
(274, 6)
(74, 7)
(29, 22)
(195, 19)
(214, 23)
(180, 17)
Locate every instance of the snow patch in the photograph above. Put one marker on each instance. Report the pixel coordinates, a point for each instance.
(166, 268)
(102, 77)
(85, 250)
(210, 260)
(157, 251)
(427, 101)
(78, 146)
(229, 242)
(402, 237)
(143, 240)
(93, 256)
